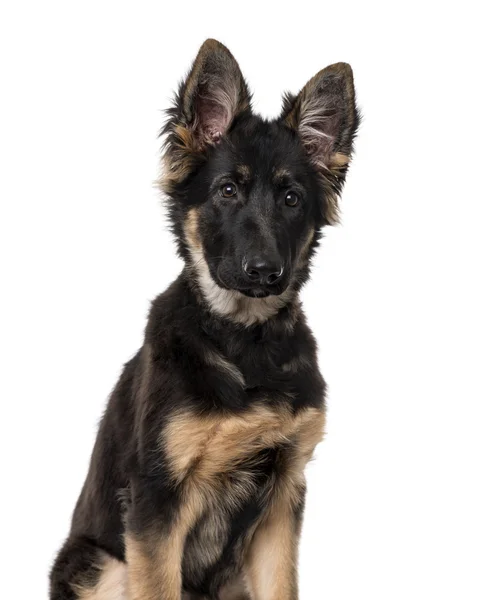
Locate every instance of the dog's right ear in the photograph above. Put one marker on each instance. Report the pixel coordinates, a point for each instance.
(208, 101)
(213, 94)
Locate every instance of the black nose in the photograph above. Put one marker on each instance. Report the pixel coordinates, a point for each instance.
(262, 270)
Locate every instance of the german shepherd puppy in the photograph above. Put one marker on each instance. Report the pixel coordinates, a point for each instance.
(196, 483)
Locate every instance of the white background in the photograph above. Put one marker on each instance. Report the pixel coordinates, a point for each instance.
(405, 496)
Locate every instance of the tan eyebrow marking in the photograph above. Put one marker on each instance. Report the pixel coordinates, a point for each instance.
(280, 175)
(244, 172)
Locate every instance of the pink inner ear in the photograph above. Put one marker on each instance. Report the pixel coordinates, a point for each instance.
(216, 109)
(214, 124)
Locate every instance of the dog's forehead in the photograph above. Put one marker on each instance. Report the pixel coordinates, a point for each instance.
(265, 150)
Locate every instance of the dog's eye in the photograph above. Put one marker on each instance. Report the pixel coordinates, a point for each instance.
(229, 190)
(291, 199)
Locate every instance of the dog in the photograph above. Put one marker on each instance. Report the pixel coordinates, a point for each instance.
(196, 484)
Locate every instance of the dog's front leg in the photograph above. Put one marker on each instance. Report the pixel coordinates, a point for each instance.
(271, 565)
(154, 557)
(163, 503)
(154, 571)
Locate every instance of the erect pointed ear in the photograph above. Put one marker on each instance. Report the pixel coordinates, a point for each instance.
(214, 92)
(208, 101)
(325, 117)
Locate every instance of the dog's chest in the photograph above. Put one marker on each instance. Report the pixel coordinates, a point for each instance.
(211, 452)
(229, 466)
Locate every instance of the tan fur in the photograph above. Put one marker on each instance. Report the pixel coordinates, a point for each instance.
(192, 230)
(306, 247)
(203, 454)
(155, 562)
(330, 206)
(336, 165)
(272, 559)
(234, 590)
(204, 446)
(339, 160)
(228, 303)
(244, 173)
(310, 424)
(179, 160)
(271, 564)
(111, 585)
(199, 449)
(154, 570)
(280, 175)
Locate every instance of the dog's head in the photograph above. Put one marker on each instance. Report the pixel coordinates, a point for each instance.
(247, 196)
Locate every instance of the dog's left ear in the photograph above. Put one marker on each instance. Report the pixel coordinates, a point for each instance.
(325, 117)
(212, 96)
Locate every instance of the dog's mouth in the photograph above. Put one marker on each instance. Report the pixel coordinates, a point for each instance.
(229, 283)
(250, 292)
(256, 292)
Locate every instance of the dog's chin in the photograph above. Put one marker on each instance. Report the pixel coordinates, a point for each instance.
(250, 292)
(256, 293)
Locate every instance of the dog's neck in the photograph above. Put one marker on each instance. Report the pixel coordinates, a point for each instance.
(231, 304)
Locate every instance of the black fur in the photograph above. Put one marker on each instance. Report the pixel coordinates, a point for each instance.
(129, 487)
